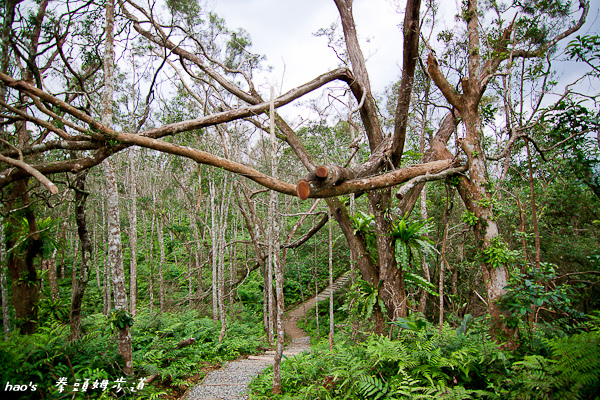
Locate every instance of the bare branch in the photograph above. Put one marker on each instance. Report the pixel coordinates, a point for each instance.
(428, 178)
(32, 171)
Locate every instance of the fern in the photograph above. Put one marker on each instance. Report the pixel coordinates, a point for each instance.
(372, 387)
(573, 372)
(578, 363)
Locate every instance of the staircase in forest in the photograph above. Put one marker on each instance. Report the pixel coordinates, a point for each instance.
(303, 308)
(232, 380)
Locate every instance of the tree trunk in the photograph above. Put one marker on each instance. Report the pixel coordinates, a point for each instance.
(133, 295)
(393, 290)
(161, 263)
(214, 237)
(479, 201)
(425, 124)
(52, 279)
(3, 287)
(224, 211)
(86, 256)
(150, 249)
(197, 251)
(331, 322)
(21, 270)
(107, 286)
(115, 255)
(274, 253)
(534, 217)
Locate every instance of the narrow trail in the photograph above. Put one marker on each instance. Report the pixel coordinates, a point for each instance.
(231, 381)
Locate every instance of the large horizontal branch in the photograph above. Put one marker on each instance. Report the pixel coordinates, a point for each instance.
(321, 177)
(386, 180)
(203, 157)
(245, 112)
(145, 139)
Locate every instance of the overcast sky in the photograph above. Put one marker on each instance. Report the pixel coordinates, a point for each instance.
(283, 31)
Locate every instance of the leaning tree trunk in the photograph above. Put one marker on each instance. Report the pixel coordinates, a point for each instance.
(115, 254)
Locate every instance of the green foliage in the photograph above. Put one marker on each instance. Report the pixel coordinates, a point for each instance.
(469, 218)
(526, 292)
(571, 124)
(419, 364)
(362, 298)
(363, 223)
(49, 354)
(372, 387)
(155, 339)
(572, 371)
(412, 242)
(421, 283)
(464, 325)
(47, 229)
(51, 311)
(120, 319)
(498, 254)
(585, 49)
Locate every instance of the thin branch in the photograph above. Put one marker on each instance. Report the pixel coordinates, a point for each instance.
(32, 171)
(427, 178)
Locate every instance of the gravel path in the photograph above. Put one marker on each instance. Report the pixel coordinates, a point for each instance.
(232, 380)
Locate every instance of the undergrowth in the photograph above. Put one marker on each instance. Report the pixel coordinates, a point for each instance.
(37, 362)
(419, 363)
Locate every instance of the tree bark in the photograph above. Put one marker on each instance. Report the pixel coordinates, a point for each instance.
(150, 249)
(52, 279)
(21, 270)
(161, 244)
(3, 287)
(534, 217)
(411, 30)
(224, 211)
(133, 184)
(115, 254)
(214, 237)
(86, 256)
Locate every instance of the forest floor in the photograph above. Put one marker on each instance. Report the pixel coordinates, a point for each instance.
(231, 381)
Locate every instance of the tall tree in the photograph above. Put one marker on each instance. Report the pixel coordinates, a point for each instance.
(115, 253)
(133, 239)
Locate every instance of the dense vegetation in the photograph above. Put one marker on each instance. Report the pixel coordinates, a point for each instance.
(158, 213)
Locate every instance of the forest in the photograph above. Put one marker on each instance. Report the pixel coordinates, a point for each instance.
(163, 209)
